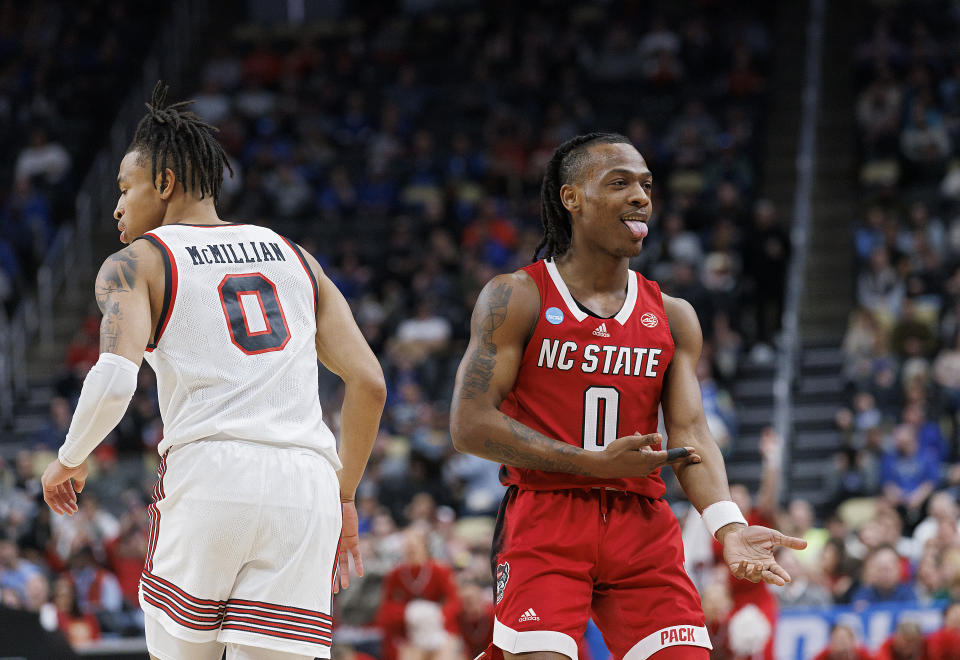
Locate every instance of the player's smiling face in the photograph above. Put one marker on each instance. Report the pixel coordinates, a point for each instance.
(140, 207)
(611, 201)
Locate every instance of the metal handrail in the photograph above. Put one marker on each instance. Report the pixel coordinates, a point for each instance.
(806, 156)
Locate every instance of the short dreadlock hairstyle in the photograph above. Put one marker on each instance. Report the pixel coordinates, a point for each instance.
(565, 166)
(172, 136)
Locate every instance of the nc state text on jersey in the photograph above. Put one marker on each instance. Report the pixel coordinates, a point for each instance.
(609, 359)
(248, 252)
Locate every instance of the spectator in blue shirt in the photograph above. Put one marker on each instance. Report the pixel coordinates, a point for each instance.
(908, 475)
(881, 580)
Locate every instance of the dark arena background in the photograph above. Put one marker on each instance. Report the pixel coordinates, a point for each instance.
(806, 159)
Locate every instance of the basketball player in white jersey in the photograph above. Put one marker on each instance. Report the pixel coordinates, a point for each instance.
(245, 539)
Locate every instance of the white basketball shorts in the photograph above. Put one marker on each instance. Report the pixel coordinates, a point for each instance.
(243, 545)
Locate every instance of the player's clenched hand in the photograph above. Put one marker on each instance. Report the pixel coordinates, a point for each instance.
(748, 552)
(61, 485)
(633, 456)
(349, 545)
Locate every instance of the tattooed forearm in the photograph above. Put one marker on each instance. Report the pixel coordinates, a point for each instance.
(483, 360)
(118, 274)
(535, 451)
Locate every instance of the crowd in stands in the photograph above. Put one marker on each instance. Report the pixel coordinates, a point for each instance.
(891, 529)
(413, 179)
(60, 64)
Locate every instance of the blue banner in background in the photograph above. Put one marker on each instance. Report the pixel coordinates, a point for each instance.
(802, 633)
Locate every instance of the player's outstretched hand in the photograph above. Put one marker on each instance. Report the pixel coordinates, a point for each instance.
(748, 552)
(349, 545)
(61, 485)
(633, 456)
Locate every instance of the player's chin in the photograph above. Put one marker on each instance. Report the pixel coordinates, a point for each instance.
(632, 249)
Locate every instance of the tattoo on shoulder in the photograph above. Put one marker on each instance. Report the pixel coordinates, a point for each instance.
(480, 368)
(118, 275)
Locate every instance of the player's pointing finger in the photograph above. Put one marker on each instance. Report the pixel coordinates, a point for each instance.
(790, 541)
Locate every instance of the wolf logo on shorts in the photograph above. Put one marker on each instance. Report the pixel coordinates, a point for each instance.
(503, 574)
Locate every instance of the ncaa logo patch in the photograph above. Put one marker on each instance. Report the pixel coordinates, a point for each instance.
(649, 320)
(554, 315)
(503, 574)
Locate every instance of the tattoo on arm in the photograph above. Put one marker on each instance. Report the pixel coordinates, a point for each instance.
(476, 379)
(529, 452)
(117, 276)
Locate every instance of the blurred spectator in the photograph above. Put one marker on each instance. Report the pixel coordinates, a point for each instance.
(78, 627)
(475, 621)
(881, 579)
(42, 159)
(944, 644)
(907, 474)
(418, 614)
(906, 643)
(843, 646)
(801, 591)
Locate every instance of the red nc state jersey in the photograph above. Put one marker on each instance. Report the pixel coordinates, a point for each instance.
(588, 381)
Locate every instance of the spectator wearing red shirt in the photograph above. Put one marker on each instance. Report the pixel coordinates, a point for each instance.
(75, 625)
(944, 644)
(475, 621)
(406, 590)
(906, 643)
(843, 646)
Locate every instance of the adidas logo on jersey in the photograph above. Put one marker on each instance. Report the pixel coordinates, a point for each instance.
(529, 615)
(601, 330)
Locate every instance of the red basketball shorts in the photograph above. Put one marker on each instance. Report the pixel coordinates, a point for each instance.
(562, 557)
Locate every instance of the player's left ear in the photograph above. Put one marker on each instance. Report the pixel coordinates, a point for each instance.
(570, 197)
(165, 186)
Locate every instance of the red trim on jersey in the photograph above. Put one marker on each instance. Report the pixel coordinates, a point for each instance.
(287, 619)
(154, 513)
(167, 311)
(303, 262)
(226, 313)
(177, 618)
(336, 565)
(180, 592)
(279, 608)
(225, 224)
(263, 310)
(273, 633)
(241, 617)
(178, 606)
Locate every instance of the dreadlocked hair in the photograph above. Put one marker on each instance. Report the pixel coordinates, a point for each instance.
(172, 136)
(564, 166)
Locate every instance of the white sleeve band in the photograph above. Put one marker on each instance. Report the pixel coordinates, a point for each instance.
(106, 393)
(720, 514)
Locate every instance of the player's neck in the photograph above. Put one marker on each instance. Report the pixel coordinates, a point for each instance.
(191, 211)
(595, 272)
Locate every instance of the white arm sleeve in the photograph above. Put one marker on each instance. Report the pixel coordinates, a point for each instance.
(106, 393)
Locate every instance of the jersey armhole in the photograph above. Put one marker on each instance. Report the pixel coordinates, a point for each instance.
(170, 281)
(313, 279)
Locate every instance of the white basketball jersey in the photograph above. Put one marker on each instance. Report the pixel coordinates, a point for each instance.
(234, 349)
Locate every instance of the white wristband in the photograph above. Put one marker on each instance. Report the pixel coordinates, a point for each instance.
(106, 393)
(720, 514)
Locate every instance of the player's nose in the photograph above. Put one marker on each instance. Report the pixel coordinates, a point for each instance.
(118, 212)
(638, 195)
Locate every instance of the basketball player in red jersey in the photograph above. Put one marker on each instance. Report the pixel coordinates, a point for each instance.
(568, 362)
